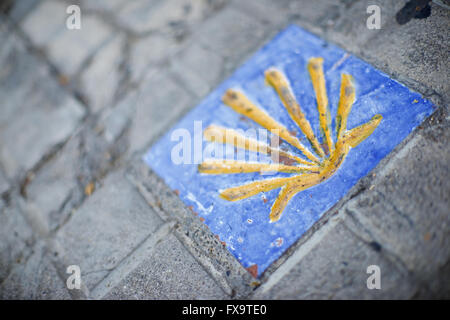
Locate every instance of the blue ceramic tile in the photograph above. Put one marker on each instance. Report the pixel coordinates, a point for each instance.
(244, 225)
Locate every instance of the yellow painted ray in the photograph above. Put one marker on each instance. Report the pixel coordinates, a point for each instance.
(242, 105)
(233, 166)
(356, 135)
(250, 189)
(315, 68)
(279, 82)
(346, 100)
(218, 134)
(288, 191)
(350, 139)
(306, 181)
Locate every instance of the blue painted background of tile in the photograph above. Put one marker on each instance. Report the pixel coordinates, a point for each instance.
(256, 242)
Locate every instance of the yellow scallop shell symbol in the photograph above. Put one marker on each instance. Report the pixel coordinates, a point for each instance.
(324, 159)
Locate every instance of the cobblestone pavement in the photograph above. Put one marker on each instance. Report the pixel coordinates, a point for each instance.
(79, 108)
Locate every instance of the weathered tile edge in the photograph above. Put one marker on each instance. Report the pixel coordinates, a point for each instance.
(193, 234)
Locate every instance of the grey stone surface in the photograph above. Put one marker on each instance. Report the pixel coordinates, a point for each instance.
(169, 272)
(11, 77)
(231, 34)
(336, 268)
(317, 16)
(105, 229)
(144, 16)
(407, 214)
(156, 105)
(69, 49)
(49, 17)
(102, 5)
(151, 51)
(59, 187)
(55, 189)
(16, 237)
(198, 68)
(207, 249)
(35, 279)
(349, 29)
(34, 134)
(273, 14)
(114, 126)
(129, 264)
(417, 51)
(100, 91)
(66, 49)
(4, 184)
(37, 116)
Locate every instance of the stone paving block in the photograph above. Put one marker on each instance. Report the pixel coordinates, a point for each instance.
(54, 190)
(154, 107)
(275, 14)
(231, 33)
(350, 30)
(20, 8)
(69, 49)
(38, 115)
(320, 15)
(169, 272)
(60, 185)
(397, 236)
(198, 68)
(13, 74)
(45, 22)
(336, 268)
(203, 244)
(16, 237)
(406, 208)
(150, 51)
(66, 49)
(105, 229)
(34, 279)
(100, 81)
(4, 184)
(33, 134)
(417, 50)
(114, 126)
(102, 5)
(143, 15)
